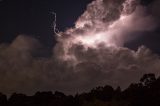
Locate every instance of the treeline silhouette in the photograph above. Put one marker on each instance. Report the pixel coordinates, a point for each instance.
(144, 93)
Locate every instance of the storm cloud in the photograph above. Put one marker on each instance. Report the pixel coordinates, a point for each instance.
(22, 72)
(76, 66)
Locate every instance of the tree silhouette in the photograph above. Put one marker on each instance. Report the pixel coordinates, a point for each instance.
(3, 99)
(148, 79)
(144, 93)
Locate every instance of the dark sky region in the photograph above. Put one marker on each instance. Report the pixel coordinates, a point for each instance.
(33, 58)
(34, 18)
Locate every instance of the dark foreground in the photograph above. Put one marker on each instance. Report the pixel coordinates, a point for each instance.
(144, 93)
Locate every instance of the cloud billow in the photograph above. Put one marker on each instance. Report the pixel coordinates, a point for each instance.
(87, 55)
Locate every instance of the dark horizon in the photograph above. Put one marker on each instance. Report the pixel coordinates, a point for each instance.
(142, 93)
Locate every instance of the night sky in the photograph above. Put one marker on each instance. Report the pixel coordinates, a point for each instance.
(101, 42)
(34, 18)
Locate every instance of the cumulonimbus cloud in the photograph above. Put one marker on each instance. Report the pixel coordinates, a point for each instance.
(88, 55)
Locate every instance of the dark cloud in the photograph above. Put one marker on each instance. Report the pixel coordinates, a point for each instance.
(149, 38)
(154, 9)
(22, 72)
(72, 67)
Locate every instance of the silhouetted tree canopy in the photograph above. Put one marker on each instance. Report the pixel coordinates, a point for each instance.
(146, 92)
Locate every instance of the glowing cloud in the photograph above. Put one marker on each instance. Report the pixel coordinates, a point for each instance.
(107, 23)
